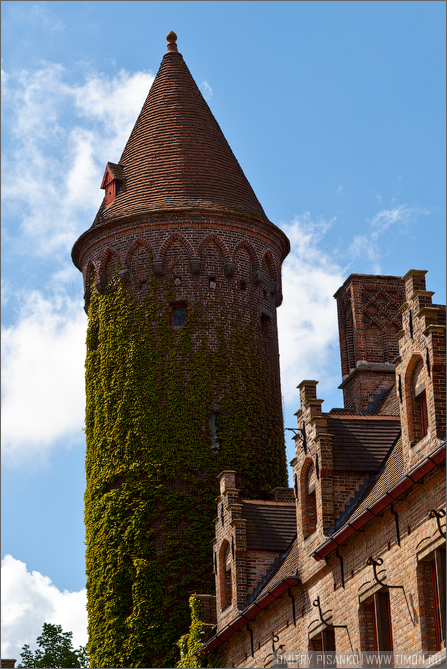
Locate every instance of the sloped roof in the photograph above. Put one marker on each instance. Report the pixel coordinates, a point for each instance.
(270, 526)
(389, 484)
(389, 404)
(286, 567)
(361, 443)
(177, 156)
(117, 170)
(390, 473)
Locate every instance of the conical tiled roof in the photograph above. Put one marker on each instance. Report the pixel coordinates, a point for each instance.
(177, 157)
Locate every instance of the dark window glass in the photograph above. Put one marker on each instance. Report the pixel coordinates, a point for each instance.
(437, 567)
(178, 316)
(382, 621)
(324, 643)
(423, 410)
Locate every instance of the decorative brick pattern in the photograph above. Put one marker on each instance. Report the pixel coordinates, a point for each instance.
(369, 319)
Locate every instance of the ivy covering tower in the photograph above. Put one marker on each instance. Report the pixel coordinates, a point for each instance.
(182, 277)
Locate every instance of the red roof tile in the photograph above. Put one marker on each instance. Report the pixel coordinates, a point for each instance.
(361, 442)
(177, 157)
(270, 526)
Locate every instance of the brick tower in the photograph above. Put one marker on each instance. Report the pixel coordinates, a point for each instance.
(182, 277)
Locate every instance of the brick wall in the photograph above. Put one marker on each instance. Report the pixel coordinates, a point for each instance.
(231, 266)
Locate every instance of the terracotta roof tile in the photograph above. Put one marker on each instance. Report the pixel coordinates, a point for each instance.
(177, 156)
(361, 443)
(270, 526)
(391, 472)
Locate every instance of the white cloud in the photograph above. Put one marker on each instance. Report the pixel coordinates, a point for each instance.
(207, 90)
(5, 291)
(61, 137)
(37, 14)
(5, 77)
(29, 600)
(368, 245)
(43, 377)
(307, 319)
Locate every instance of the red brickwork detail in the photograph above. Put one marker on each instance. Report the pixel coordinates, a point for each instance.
(345, 485)
(422, 352)
(258, 563)
(369, 320)
(412, 624)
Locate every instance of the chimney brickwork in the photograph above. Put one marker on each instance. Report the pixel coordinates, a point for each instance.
(369, 320)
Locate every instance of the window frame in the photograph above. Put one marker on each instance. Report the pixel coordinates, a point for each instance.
(382, 624)
(226, 575)
(437, 568)
(178, 305)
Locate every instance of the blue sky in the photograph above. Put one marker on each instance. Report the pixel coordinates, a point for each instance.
(336, 113)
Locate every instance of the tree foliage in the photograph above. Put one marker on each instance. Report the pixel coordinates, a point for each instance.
(55, 650)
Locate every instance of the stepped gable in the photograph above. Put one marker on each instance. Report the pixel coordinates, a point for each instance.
(177, 157)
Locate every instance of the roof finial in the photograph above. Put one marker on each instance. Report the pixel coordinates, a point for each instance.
(172, 46)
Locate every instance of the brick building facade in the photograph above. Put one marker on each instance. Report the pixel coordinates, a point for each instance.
(365, 568)
(181, 228)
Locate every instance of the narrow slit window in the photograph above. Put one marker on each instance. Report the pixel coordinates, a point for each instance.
(226, 585)
(310, 502)
(266, 326)
(420, 414)
(422, 402)
(215, 445)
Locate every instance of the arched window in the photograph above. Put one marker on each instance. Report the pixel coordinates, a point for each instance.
(226, 587)
(416, 393)
(308, 498)
(419, 402)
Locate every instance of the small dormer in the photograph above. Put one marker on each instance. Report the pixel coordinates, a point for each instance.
(111, 182)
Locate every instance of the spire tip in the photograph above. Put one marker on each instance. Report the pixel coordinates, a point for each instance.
(172, 46)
